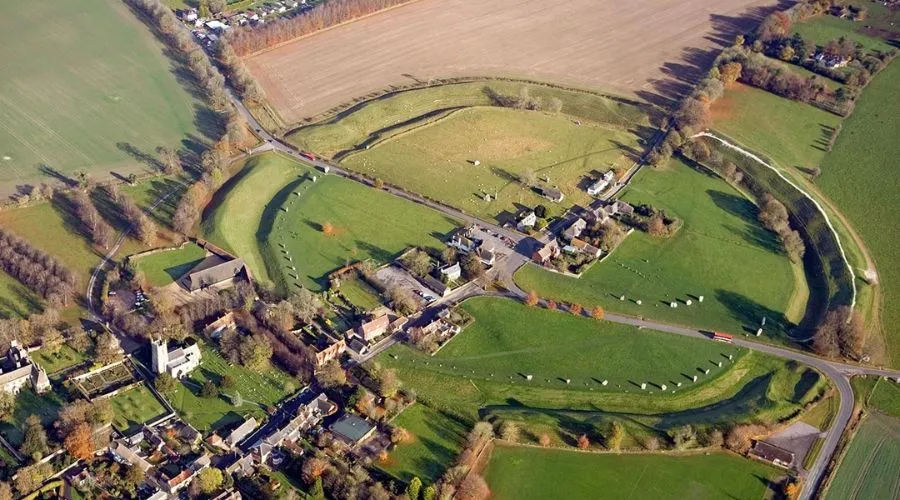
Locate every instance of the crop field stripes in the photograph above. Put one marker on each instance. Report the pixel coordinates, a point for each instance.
(815, 202)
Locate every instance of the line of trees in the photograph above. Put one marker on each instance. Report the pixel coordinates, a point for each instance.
(143, 227)
(100, 231)
(774, 216)
(841, 333)
(248, 40)
(36, 269)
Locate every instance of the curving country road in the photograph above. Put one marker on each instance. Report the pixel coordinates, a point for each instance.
(838, 373)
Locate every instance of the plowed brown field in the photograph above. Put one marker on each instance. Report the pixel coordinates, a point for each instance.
(648, 48)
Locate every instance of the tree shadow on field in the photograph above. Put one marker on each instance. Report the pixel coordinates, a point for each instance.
(751, 313)
(694, 62)
(140, 156)
(56, 174)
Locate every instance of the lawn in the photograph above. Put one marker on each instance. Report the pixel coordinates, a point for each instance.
(66, 357)
(147, 193)
(527, 473)
(721, 253)
(29, 403)
(436, 159)
(16, 300)
(822, 29)
(135, 407)
(232, 219)
(86, 86)
(258, 391)
(360, 293)
(365, 224)
(869, 467)
(165, 267)
(481, 373)
(436, 440)
(792, 133)
(859, 174)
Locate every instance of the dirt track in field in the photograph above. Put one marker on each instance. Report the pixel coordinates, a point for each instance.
(649, 48)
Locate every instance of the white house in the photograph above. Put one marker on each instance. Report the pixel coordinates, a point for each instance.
(17, 370)
(177, 362)
(575, 229)
(526, 220)
(452, 271)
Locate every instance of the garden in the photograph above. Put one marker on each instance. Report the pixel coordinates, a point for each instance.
(166, 266)
(134, 407)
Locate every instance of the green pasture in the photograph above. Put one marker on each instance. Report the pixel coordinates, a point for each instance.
(232, 219)
(795, 135)
(869, 467)
(135, 407)
(528, 473)
(29, 403)
(165, 267)
(86, 86)
(378, 119)
(435, 442)
(16, 300)
(822, 29)
(437, 160)
(860, 176)
(366, 224)
(258, 391)
(721, 253)
(483, 372)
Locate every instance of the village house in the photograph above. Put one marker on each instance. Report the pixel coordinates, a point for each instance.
(327, 349)
(130, 455)
(241, 432)
(380, 320)
(546, 252)
(309, 414)
(771, 453)
(451, 272)
(440, 326)
(462, 241)
(551, 193)
(215, 329)
(352, 429)
(17, 370)
(575, 229)
(487, 256)
(526, 221)
(577, 246)
(178, 362)
(620, 207)
(595, 213)
(601, 184)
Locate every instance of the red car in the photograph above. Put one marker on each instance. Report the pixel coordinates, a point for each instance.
(308, 156)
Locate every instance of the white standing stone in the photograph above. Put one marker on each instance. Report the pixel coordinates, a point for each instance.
(706, 371)
(688, 302)
(700, 299)
(759, 332)
(673, 304)
(528, 377)
(604, 382)
(720, 364)
(644, 386)
(663, 387)
(638, 302)
(694, 378)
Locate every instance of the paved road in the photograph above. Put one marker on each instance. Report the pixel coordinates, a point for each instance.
(837, 372)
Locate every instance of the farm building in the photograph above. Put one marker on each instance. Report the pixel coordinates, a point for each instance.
(551, 193)
(213, 271)
(17, 369)
(771, 453)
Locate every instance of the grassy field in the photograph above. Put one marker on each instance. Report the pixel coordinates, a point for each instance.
(860, 174)
(233, 218)
(528, 473)
(366, 224)
(744, 275)
(436, 160)
(86, 86)
(148, 192)
(869, 468)
(16, 300)
(436, 441)
(822, 29)
(482, 372)
(258, 390)
(135, 407)
(165, 267)
(29, 403)
(792, 133)
(885, 397)
(65, 358)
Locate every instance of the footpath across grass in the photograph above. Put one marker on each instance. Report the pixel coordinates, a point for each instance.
(163, 268)
(721, 253)
(530, 473)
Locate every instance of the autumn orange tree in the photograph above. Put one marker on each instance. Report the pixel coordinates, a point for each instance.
(575, 309)
(532, 299)
(544, 440)
(79, 442)
(597, 313)
(328, 229)
(583, 442)
(551, 304)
